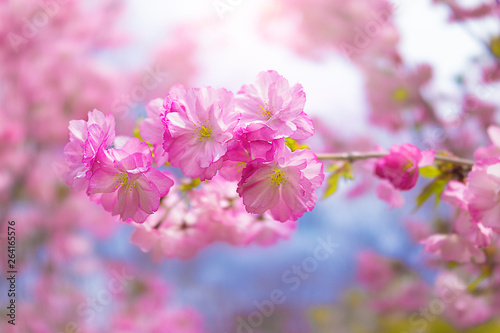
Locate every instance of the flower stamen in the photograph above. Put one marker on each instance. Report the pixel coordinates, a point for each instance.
(278, 179)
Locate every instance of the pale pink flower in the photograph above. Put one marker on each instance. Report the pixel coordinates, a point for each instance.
(493, 150)
(126, 183)
(375, 272)
(284, 186)
(393, 91)
(461, 308)
(271, 109)
(453, 247)
(357, 28)
(223, 212)
(418, 230)
(462, 13)
(152, 129)
(174, 231)
(474, 231)
(387, 192)
(197, 133)
(454, 194)
(87, 138)
(483, 193)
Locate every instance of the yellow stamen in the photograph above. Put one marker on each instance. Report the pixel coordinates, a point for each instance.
(267, 111)
(203, 130)
(400, 95)
(278, 179)
(407, 166)
(122, 181)
(495, 46)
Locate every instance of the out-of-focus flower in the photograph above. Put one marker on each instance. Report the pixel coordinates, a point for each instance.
(374, 271)
(493, 150)
(400, 166)
(483, 193)
(461, 308)
(453, 248)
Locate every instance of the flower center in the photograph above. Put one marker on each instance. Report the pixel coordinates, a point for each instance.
(203, 130)
(400, 95)
(495, 46)
(122, 180)
(278, 179)
(265, 111)
(408, 165)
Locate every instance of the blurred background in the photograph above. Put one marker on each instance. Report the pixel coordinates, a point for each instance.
(375, 72)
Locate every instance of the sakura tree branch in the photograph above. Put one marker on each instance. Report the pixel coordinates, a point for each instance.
(355, 156)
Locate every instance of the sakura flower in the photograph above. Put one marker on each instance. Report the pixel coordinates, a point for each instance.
(483, 193)
(271, 109)
(493, 150)
(174, 231)
(241, 151)
(126, 184)
(218, 203)
(392, 92)
(152, 129)
(375, 272)
(453, 248)
(461, 308)
(284, 186)
(400, 166)
(87, 138)
(386, 191)
(199, 129)
(474, 231)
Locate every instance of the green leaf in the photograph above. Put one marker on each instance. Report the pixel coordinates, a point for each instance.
(436, 187)
(191, 185)
(338, 171)
(430, 171)
(294, 145)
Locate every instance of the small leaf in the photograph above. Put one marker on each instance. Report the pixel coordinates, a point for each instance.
(294, 145)
(435, 187)
(136, 132)
(430, 171)
(191, 185)
(338, 171)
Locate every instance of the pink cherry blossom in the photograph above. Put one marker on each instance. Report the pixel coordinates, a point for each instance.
(125, 182)
(374, 271)
(493, 150)
(197, 133)
(461, 308)
(393, 91)
(483, 193)
(271, 109)
(172, 232)
(400, 166)
(152, 129)
(453, 248)
(87, 138)
(220, 206)
(284, 186)
(386, 191)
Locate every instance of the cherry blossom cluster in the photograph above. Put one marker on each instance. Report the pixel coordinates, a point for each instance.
(237, 146)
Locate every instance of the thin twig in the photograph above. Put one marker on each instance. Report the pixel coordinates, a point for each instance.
(355, 156)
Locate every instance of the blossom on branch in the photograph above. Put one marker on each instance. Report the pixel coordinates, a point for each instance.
(126, 183)
(284, 186)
